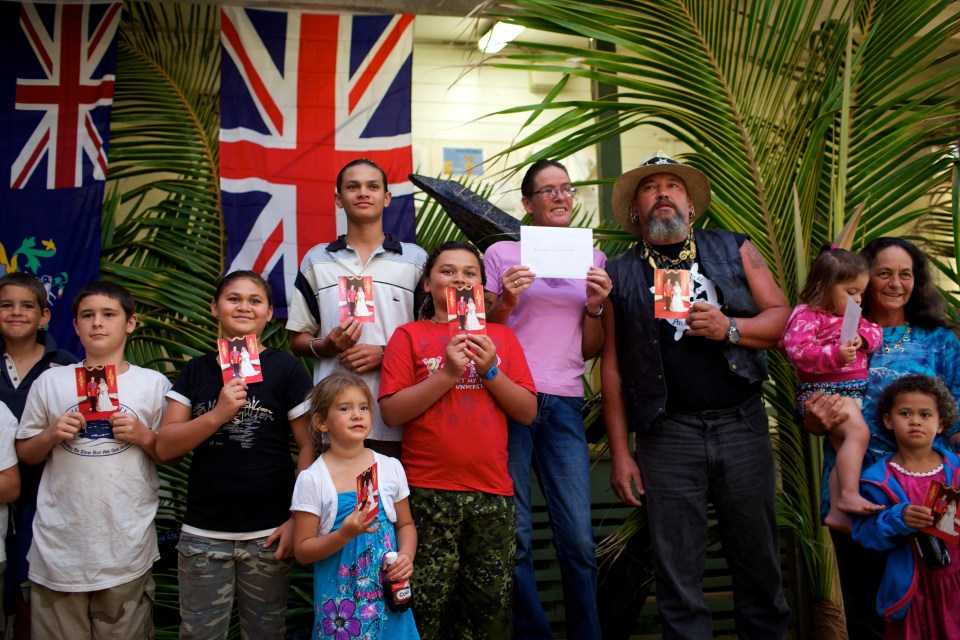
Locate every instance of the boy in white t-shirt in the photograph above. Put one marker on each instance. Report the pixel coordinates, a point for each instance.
(94, 541)
(9, 481)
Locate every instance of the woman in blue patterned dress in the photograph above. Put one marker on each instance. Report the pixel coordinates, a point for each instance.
(917, 339)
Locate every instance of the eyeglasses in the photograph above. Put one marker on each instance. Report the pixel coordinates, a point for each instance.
(550, 192)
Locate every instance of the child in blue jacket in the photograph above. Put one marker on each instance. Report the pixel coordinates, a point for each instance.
(917, 602)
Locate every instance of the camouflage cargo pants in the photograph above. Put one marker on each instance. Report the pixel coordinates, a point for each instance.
(211, 571)
(463, 581)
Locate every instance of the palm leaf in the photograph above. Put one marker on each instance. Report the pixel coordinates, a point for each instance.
(162, 228)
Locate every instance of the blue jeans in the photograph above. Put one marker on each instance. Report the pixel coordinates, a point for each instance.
(723, 457)
(211, 571)
(554, 446)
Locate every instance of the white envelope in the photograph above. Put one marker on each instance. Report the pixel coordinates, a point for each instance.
(557, 252)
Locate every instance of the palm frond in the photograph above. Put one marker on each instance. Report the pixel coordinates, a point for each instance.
(163, 234)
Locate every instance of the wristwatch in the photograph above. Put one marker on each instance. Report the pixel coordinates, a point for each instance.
(490, 373)
(733, 334)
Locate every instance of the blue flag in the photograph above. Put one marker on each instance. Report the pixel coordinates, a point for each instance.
(56, 90)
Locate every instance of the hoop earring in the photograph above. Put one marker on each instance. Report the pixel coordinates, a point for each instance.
(693, 212)
(633, 215)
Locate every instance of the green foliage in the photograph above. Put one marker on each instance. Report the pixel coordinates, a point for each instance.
(799, 113)
(163, 234)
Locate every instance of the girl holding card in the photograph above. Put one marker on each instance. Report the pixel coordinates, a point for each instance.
(454, 394)
(338, 532)
(811, 340)
(237, 538)
(917, 596)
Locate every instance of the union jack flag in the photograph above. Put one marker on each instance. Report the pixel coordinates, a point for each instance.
(56, 90)
(303, 94)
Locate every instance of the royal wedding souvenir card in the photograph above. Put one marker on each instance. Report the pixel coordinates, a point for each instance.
(465, 310)
(943, 500)
(671, 293)
(557, 252)
(851, 321)
(240, 358)
(97, 397)
(368, 492)
(355, 297)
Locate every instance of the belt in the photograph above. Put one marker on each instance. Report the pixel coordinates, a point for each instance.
(718, 414)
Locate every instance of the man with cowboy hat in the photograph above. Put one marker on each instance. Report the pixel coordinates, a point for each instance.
(690, 388)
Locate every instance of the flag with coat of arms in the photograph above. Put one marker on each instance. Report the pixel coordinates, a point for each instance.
(303, 94)
(56, 92)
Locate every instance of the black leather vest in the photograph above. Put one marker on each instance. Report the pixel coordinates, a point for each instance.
(637, 335)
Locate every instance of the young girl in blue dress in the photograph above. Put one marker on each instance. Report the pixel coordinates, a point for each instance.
(345, 544)
(916, 601)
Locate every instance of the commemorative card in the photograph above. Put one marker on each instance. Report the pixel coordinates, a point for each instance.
(355, 298)
(671, 293)
(466, 311)
(943, 500)
(97, 397)
(368, 492)
(240, 358)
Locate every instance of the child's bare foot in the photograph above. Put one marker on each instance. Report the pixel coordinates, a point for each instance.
(852, 502)
(838, 520)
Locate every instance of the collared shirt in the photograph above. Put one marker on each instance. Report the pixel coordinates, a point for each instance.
(14, 384)
(395, 268)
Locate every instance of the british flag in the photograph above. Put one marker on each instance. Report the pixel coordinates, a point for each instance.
(56, 91)
(302, 94)
(69, 89)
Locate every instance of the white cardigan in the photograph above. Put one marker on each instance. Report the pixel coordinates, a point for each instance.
(315, 492)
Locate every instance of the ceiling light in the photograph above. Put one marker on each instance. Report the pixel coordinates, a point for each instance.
(499, 36)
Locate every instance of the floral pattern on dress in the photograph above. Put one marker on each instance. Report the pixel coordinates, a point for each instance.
(348, 591)
(338, 620)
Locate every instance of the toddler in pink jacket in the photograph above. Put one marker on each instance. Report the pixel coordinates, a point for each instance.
(811, 341)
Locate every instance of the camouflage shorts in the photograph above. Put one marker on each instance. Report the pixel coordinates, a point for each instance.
(463, 581)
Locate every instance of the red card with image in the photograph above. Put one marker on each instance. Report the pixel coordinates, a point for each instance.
(355, 298)
(240, 358)
(97, 397)
(465, 310)
(368, 492)
(944, 500)
(671, 293)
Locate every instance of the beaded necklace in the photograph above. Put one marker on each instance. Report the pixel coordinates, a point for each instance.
(688, 254)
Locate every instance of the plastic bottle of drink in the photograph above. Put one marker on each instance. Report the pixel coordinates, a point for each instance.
(397, 594)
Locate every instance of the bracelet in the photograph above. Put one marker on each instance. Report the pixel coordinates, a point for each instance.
(312, 350)
(596, 315)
